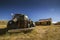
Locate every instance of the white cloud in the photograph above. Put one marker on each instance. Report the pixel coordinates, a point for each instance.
(54, 22)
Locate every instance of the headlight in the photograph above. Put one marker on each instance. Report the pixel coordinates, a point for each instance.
(10, 22)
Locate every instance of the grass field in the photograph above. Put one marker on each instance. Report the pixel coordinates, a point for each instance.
(39, 33)
(51, 32)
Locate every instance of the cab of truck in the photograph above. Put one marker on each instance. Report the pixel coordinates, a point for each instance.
(20, 21)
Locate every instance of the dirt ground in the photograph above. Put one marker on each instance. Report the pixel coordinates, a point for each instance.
(39, 33)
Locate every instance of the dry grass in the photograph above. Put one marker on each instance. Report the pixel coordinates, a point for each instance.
(54, 32)
(3, 23)
(39, 33)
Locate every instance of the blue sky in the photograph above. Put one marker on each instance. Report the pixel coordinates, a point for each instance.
(35, 9)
